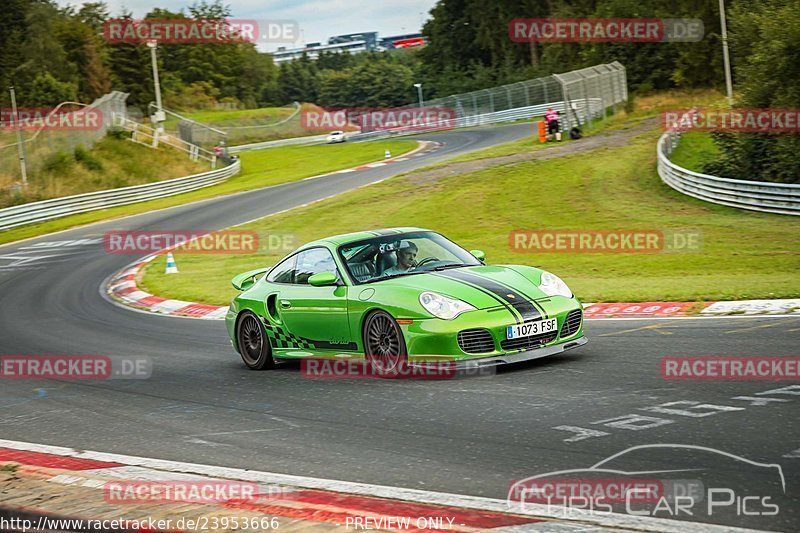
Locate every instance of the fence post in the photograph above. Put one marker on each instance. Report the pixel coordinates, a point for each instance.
(565, 99)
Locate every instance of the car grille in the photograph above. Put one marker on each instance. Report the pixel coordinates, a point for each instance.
(524, 343)
(572, 323)
(475, 341)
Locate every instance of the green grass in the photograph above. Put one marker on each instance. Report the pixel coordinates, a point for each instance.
(218, 117)
(111, 163)
(223, 115)
(743, 255)
(259, 169)
(694, 150)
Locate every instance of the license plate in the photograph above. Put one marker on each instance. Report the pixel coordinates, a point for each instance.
(531, 328)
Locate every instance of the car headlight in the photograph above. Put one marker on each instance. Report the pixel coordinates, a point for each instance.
(552, 285)
(442, 306)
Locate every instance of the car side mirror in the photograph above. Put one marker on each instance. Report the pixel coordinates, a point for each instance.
(323, 279)
(479, 255)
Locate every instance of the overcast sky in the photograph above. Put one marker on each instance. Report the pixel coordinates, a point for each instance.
(318, 19)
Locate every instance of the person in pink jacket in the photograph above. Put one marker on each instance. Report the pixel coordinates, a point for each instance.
(553, 127)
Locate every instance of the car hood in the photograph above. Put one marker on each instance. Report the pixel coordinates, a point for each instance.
(483, 287)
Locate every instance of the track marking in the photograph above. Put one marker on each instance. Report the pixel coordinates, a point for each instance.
(653, 327)
(233, 432)
(762, 326)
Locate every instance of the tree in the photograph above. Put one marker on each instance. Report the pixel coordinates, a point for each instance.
(765, 41)
(46, 91)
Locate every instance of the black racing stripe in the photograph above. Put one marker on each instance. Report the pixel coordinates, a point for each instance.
(512, 297)
(501, 301)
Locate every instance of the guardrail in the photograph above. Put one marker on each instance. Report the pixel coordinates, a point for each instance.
(45, 210)
(782, 198)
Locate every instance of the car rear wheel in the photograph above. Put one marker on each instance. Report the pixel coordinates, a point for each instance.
(253, 343)
(384, 346)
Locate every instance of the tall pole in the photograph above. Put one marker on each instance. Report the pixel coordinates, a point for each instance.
(419, 93)
(725, 57)
(159, 112)
(20, 145)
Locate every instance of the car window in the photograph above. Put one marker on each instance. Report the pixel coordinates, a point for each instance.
(377, 258)
(284, 272)
(313, 262)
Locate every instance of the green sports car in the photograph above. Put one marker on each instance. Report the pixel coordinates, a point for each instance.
(400, 296)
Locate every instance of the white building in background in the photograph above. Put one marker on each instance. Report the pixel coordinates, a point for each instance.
(313, 50)
(353, 43)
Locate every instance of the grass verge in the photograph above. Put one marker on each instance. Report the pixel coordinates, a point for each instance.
(113, 162)
(694, 150)
(260, 169)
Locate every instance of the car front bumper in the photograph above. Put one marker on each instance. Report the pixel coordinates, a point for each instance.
(519, 357)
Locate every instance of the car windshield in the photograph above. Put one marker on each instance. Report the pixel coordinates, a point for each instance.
(404, 254)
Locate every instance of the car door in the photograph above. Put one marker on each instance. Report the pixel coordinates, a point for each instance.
(316, 315)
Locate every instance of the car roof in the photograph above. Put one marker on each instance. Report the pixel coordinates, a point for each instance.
(337, 240)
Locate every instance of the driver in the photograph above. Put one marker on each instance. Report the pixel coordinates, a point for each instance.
(406, 253)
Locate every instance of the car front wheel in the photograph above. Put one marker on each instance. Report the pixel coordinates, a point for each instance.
(384, 346)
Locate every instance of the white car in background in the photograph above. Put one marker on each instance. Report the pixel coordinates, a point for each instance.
(335, 137)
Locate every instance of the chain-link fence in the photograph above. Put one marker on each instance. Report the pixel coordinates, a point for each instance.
(578, 96)
(593, 90)
(52, 138)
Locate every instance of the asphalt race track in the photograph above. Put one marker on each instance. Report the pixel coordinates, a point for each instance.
(468, 436)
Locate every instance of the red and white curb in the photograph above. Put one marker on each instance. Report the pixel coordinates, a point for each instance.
(331, 501)
(122, 288)
(688, 309)
(429, 146)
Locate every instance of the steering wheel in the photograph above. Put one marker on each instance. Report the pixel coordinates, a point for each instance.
(426, 260)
